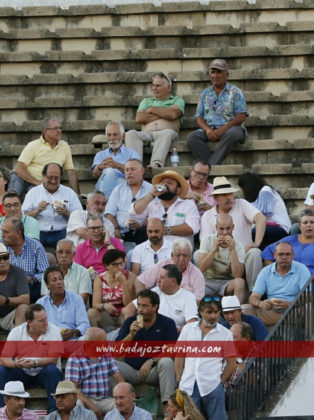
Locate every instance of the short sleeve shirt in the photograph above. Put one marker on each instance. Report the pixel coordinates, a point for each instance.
(14, 285)
(166, 103)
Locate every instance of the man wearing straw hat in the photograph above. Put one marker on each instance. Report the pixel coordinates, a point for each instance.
(14, 396)
(66, 397)
(180, 217)
(244, 215)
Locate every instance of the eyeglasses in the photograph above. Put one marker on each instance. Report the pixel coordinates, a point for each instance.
(164, 218)
(93, 228)
(202, 174)
(133, 199)
(181, 255)
(54, 128)
(212, 299)
(15, 205)
(155, 258)
(4, 257)
(118, 264)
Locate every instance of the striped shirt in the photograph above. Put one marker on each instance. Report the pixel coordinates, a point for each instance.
(26, 415)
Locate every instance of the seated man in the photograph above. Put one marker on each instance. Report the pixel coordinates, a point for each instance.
(64, 309)
(302, 244)
(38, 153)
(95, 205)
(243, 215)
(25, 253)
(192, 278)
(221, 260)
(155, 249)
(66, 398)
(89, 254)
(14, 292)
(85, 372)
(221, 112)
(117, 208)
(180, 217)
(76, 277)
(124, 396)
(232, 312)
(51, 204)
(13, 208)
(42, 369)
(175, 302)
(14, 399)
(155, 327)
(281, 282)
(199, 189)
(160, 116)
(108, 164)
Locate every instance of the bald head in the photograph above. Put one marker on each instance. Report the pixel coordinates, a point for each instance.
(224, 225)
(95, 334)
(223, 218)
(155, 231)
(124, 395)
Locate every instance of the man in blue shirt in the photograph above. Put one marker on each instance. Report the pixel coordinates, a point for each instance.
(64, 309)
(220, 113)
(108, 165)
(281, 282)
(126, 409)
(232, 313)
(155, 327)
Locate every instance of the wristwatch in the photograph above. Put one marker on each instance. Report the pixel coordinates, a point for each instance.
(169, 230)
(35, 363)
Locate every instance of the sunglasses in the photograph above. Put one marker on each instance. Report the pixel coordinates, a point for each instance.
(164, 218)
(4, 257)
(155, 258)
(212, 299)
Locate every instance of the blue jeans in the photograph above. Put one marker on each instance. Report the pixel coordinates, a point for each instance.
(211, 405)
(49, 377)
(108, 180)
(52, 237)
(18, 185)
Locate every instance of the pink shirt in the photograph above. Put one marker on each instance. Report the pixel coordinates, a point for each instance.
(26, 415)
(209, 199)
(192, 278)
(88, 256)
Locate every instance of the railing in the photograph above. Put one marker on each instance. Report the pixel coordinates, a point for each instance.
(261, 376)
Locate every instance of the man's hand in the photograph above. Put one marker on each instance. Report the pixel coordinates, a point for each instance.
(42, 205)
(2, 300)
(92, 406)
(279, 304)
(230, 242)
(24, 363)
(219, 132)
(203, 206)
(134, 328)
(249, 246)
(63, 210)
(145, 369)
(211, 135)
(133, 224)
(266, 305)
(67, 334)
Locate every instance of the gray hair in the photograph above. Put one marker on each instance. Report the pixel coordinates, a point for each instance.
(95, 217)
(121, 127)
(135, 160)
(162, 75)
(91, 194)
(65, 240)
(182, 243)
(45, 123)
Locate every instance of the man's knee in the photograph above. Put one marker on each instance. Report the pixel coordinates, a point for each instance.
(235, 134)
(165, 363)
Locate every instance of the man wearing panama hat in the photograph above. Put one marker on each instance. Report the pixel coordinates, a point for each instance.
(180, 217)
(14, 396)
(244, 215)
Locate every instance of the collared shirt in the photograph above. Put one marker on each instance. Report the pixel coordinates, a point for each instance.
(14, 285)
(120, 201)
(219, 110)
(76, 280)
(259, 328)
(303, 253)
(206, 371)
(48, 219)
(32, 259)
(269, 281)
(78, 413)
(78, 219)
(88, 256)
(144, 255)
(192, 278)
(209, 199)
(165, 103)
(20, 333)
(71, 313)
(31, 228)
(221, 267)
(122, 156)
(93, 378)
(26, 415)
(242, 214)
(180, 212)
(38, 153)
(138, 414)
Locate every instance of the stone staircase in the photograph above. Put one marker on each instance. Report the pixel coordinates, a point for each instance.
(91, 64)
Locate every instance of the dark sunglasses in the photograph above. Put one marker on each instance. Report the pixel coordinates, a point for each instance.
(164, 218)
(4, 257)
(212, 299)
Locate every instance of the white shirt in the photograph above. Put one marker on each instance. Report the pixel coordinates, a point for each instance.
(242, 214)
(20, 333)
(181, 306)
(206, 371)
(78, 219)
(180, 212)
(48, 219)
(143, 254)
(310, 201)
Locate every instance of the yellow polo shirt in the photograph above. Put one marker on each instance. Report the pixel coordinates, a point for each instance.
(38, 153)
